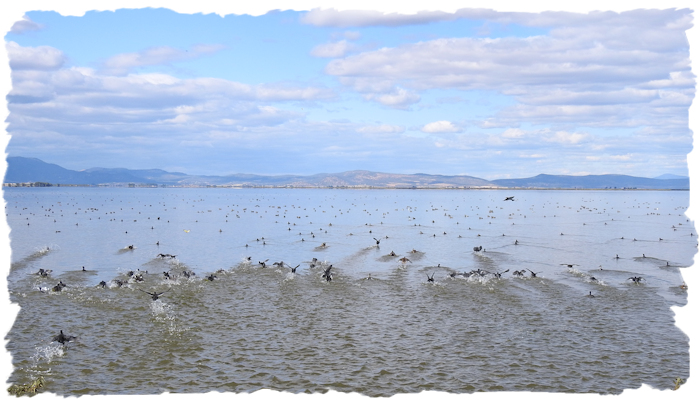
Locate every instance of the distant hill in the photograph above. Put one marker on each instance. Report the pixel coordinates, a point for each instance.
(23, 169)
(594, 182)
(671, 177)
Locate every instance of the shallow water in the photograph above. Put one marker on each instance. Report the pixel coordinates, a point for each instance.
(252, 327)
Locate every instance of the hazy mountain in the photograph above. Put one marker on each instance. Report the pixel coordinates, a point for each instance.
(594, 182)
(671, 177)
(22, 169)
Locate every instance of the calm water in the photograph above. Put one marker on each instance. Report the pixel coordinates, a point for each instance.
(253, 327)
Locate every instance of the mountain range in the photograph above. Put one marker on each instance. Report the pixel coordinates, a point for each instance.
(30, 170)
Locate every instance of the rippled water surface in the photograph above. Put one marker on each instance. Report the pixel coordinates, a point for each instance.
(254, 327)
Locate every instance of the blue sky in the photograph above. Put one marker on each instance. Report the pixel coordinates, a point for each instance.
(492, 94)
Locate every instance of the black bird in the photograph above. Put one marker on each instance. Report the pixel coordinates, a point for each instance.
(498, 275)
(430, 278)
(166, 275)
(62, 338)
(519, 273)
(568, 265)
(478, 248)
(102, 284)
(378, 240)
(636, 279)
(590, 294)
(294, 269)
(211, 277)
(43, 273)
(262, 264)
(155, 295)
(58, 287)
(510, 198)
(327, 273)
(533, 274)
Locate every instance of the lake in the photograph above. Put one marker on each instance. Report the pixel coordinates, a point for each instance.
(588, 310)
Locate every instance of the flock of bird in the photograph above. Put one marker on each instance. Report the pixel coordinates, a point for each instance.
(326, 275)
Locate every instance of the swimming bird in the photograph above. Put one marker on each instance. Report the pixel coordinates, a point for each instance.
(393, 254)
(636, 280)
(43, 273)
(155, 295)
(102, 284)
(58, 287)
(568, 265)
(405, 259)
(478, 248)
(62, 338)
(211, 277)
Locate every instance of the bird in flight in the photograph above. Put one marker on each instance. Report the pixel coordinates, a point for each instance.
(155, 295)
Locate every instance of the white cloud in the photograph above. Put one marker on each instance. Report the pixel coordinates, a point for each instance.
(513, 133)
(25, 25)
(597, 69)
(335, 49)
(399, 98)
(381, 129)
(438, 127)
(568, 138)
(34, 58)
(335, 18)
(123, 63)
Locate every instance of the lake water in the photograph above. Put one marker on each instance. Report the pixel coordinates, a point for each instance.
(252, 327)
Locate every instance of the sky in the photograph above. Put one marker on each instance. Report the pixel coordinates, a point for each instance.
(470, 91)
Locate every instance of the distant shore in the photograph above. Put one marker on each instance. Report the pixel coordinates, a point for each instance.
(240, 186)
